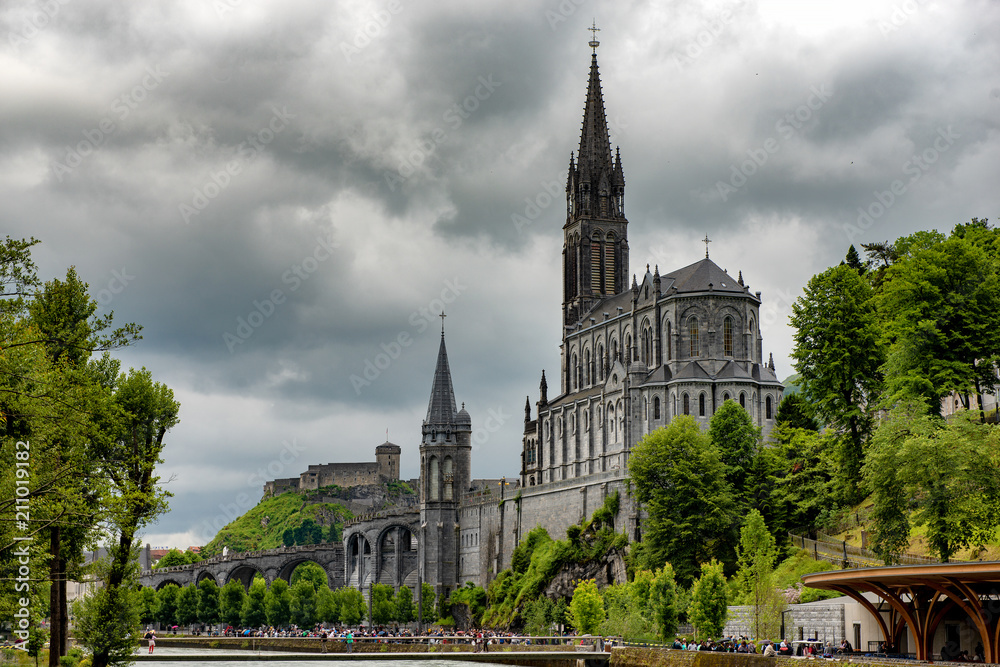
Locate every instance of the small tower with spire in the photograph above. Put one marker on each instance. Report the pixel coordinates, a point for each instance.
(595, 236)
(445, 474)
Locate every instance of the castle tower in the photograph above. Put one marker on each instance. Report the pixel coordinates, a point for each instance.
(445, 473)
(595, 236)
(387, 457)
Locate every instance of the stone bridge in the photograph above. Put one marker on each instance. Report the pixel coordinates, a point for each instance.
(243, 567)
(383, 548)
(380, 548)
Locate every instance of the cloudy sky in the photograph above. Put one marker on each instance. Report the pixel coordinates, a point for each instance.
(281, 192)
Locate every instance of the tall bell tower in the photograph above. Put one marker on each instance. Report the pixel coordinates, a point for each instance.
(595, 236)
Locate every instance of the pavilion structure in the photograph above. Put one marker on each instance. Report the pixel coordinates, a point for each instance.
(920, 597)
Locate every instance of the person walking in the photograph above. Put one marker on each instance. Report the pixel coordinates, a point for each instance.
(350, 641)
(152, 640)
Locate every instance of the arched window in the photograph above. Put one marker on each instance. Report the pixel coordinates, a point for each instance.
(670, 344)
(701, 405)
(575, 373)
(687, 405)
(627, 350)
(693, 336)
(743, 400)
(586, 367)
(595, 263)
(449, 479)
(725, 397)
(599, 360)
(656, 407)
(645, 408)
(611, 422)
(753, 341)
(433, 479)
(727, 336)
(614, 351)
(767, 407)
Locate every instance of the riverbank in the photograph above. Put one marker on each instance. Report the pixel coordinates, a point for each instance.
(362, 645)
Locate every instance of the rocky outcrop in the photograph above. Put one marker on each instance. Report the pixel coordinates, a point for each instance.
(605, 571)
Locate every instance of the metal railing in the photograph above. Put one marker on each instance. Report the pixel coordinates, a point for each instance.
(840, 552)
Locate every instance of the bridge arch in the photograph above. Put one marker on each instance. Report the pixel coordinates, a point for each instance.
(288, 568)
(167, 582)
(244, 573)
(396, 558)
(203, 575)
(358, 559)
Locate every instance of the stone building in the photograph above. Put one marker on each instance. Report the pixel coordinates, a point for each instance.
(385, 468)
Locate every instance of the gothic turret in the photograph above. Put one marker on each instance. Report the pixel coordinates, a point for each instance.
(595, 249)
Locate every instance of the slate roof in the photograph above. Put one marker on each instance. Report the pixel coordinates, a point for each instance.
(441, 409)
(698, 276)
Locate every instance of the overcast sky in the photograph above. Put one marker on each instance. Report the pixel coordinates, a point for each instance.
(280, 192)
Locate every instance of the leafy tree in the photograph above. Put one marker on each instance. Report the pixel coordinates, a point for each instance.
(107, 622)
(538, 616)
(166, 605)
(187, 605)
(383, 608)
(839, 355)
(253, 613)
(950, 472)
(708, 611)
(311, 572)
(333, 535)
(308, 532)
(277, 604)
(756, 554)
(587, 607)
(735, 437)
(427, 598)
(288, 537)
(474, 597)
(303, 603)
(231, 603)
(405, 609)
(148, 604)
(327, 605)
(678, 476)
(208, 601)
(176, 557)
(794, 411)
(663, 601)
(352, 605)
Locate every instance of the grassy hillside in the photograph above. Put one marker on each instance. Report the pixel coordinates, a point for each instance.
(263, 526)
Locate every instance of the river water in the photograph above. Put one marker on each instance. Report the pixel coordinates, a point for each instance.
(275, 661)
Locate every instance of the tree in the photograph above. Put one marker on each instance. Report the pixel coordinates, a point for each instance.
(853, 260)
(839, 353)
(288, 537)
(794, 411)
(208, 601)
(277, 604)
(107, 622)
(176, 557)
(311, 572)
(166, 605)
(327, 605)
(405, 610)
(663, 601)
(187, 605)
(678, 476)
(383, 609)
(427, 598)
(303, 603)
(756, 554)
(253, 614)
(231, 603)
(352, 605)
(587, 607)
(147, 609)
(708, 601)
(949, 470)
(537, 616)
(735, 438)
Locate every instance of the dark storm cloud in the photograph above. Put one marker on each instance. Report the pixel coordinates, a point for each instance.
(426, 145)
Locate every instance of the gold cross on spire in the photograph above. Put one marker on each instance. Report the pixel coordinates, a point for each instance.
(706, 240)
(593, 40)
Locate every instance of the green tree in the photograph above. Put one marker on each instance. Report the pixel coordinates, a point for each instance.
(352, 606)
(303, 603)
(288, 537)
(277, 604)
(107, 623)
(794, 411)
(839, 353)
(147, 610)
(735, 437)
(949, 469)
(311, 572)
(587, 607)
(663, 601)
(677, 475)
(327, 605)
(383, 609)
(427, 598)
(231, 603)
(253, 613)
(538, 616)
(187, 605)
(709, 598)
(405, 609)
(756, 554)
(208, 601)
(166, 605)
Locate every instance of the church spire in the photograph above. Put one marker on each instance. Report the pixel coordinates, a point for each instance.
(441, 408)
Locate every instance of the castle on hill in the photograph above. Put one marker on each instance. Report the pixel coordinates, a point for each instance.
(385, 468)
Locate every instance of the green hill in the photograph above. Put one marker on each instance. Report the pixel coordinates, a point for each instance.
(263, 526)
(791, 384)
